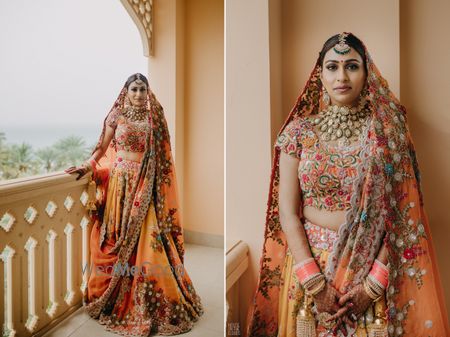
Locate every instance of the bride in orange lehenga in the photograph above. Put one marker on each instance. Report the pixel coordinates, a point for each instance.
(137, 283)
(347, 249)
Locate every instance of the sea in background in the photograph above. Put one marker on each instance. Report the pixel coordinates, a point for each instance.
(42, 136)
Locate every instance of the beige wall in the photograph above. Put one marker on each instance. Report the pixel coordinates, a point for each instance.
(164, 70)
(425, 86)
(203, 117)
(186, 74)
(248, 140)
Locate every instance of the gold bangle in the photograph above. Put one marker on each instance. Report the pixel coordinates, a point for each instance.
(373, 282)
(374, 286)
(370, 292)
(313, 280)
(317, 289)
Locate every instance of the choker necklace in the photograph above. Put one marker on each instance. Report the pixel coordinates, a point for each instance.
(341, 123)
(135, 114)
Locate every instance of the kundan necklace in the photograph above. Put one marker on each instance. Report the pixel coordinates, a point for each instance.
(135, 114)
(341, 123)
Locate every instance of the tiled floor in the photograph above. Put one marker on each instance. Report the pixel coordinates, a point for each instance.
(205, 267)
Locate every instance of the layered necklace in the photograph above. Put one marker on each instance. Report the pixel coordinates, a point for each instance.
(136, 113)
(341, 123)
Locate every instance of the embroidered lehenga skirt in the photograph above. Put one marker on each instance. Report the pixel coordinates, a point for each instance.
(155, 293)
(321, 240)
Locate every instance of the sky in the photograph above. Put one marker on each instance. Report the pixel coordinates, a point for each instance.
(63, 63)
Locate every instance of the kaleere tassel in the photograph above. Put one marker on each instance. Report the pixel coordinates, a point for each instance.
(306, 323)
(378, 327)
(92, 189)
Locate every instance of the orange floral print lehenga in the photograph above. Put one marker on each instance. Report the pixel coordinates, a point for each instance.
(137, 284)
(380, 183)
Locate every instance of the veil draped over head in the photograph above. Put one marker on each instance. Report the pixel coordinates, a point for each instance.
(386, 205)
(155, 183)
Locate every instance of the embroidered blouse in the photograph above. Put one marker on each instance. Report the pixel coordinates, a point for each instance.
(130, 136)
(326, 173)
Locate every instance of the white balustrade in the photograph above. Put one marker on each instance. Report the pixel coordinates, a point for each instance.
(6, 256)
(42, 252)
(69, 258)
(32, 320)
(84, 224)
(52, 304)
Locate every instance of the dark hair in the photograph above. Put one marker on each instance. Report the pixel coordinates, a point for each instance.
(135, 77)
(351, 40)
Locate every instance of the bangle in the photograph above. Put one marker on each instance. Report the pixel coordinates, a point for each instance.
(316, 289)
(313, 280)
(380, 273)
(375, 282)
(90, 165)
(306, 270)
(374, 294)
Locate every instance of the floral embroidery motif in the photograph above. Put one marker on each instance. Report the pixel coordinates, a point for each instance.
(123, 175)
(152, 312)
(319, 237)
(290, 140)
(131, 136)
(326, 173)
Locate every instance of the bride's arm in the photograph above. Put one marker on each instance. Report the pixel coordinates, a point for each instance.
(109, 133)
(289, 208)
(383, 254)
(98, 153)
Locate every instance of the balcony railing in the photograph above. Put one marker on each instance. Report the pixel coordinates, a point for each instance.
(44, 249)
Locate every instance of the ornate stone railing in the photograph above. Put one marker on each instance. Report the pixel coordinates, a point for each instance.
(237, 264)
(44, 244)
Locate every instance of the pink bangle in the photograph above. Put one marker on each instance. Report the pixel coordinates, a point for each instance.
(306, 269)
(380, 273)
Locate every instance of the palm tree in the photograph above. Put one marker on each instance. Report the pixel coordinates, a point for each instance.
(70, 151)
(47, 158)
(20, 161)
(4, 151)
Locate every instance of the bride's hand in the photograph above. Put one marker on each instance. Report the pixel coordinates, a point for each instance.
(359, 299)
(80, 170)
(356, 301)
(327, 303)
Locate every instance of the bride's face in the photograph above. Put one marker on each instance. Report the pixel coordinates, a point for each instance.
(343, 76)
(137, 92)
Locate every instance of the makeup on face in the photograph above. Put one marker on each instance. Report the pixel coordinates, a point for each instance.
(343, 77)
(137, 92)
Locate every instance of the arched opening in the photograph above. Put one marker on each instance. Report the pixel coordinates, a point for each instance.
(62, 64)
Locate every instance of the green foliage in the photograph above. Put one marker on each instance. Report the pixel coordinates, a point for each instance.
(21, 160)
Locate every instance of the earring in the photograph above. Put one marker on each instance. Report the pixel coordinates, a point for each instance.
(127, 102)
(325, 96)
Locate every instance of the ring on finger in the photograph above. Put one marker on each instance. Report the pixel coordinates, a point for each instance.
(353, 317)
(324, 320)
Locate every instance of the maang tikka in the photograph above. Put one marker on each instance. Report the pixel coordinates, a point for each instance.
(138, 79)
(342, 47)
